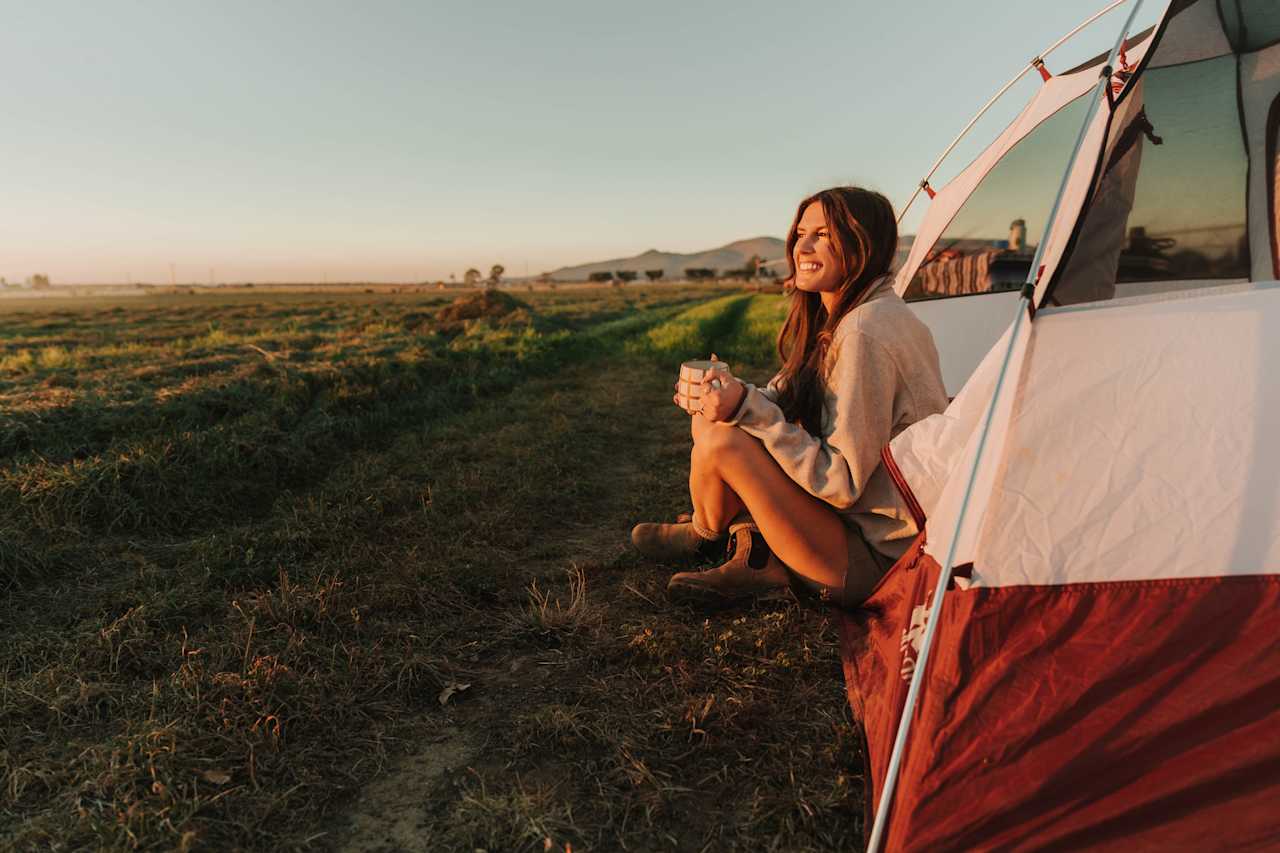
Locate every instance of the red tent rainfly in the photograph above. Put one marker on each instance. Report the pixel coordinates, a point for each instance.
(1105, 488)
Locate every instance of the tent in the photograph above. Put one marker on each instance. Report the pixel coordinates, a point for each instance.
(1079, 650)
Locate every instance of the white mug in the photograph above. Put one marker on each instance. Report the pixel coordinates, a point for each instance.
(689, 387)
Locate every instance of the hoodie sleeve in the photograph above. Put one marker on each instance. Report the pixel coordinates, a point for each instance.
(769, 392)
(835, 468)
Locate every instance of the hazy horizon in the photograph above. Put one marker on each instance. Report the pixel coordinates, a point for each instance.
(406, 142)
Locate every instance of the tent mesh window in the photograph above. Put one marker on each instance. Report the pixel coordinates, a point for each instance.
(1169, 205)
(1273, 181)
(1250, 24)
(989, 243)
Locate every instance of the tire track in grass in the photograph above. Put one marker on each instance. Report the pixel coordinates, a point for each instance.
(598, 715)
(192, 480)
(343, 614)
(693, 333)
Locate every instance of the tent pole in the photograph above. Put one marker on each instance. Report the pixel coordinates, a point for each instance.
(948, 564)
(997, 96)
(944, 578)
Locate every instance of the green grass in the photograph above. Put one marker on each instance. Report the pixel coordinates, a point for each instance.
(247, 548)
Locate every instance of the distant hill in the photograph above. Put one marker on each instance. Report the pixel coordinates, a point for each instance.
(728, 257)
(732, 256)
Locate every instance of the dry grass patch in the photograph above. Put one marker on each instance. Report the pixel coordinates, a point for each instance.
(237, 607)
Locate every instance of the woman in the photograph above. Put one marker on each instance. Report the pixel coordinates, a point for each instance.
(791, 472)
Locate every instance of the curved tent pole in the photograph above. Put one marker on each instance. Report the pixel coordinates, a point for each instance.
(944, 574)
(1036, 62)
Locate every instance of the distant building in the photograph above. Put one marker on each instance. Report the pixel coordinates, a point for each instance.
(1017, 235)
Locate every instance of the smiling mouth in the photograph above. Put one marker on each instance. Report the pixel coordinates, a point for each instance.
(809, 266)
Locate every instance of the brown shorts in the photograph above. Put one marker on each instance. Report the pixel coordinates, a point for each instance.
(866, 567)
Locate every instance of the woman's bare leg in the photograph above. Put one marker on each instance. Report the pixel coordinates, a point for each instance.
(715, 505)
(730, 471)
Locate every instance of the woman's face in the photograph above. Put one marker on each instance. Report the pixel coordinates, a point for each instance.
(818, 266)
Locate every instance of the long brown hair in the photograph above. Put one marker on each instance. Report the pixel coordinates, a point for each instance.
(864, 234)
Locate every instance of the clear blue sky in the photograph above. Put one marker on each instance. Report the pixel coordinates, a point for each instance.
(410, 140)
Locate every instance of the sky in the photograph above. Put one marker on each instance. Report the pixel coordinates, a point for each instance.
(407, 141)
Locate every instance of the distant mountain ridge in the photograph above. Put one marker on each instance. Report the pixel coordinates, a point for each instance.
(731, 256)
(673, 264)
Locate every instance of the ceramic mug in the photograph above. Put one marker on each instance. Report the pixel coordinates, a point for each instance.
(689, 386)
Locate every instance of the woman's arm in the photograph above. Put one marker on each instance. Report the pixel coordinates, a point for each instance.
(769, 392)
(864, 381)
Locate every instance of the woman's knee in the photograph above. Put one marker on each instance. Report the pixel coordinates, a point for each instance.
(715, 438)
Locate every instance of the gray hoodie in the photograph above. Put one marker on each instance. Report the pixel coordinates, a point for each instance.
(882, 376)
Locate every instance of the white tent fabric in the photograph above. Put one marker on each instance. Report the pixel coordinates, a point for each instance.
(963, 331)
(957, 440)
(1112, 469)
(1107, 487)
(932, 450)
(1096, 468)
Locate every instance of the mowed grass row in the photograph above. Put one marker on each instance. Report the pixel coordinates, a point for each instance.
(200, 431)
(223, 685)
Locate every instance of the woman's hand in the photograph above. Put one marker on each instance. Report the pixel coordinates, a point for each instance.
(721, 395)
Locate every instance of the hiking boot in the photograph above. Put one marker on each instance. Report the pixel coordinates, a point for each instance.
(751, 571)
(675, 543)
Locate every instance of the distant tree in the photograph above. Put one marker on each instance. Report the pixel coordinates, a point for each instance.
(653, 275)
(39, 281)
(752, 268)
(600, 276)
(495, 274)
(544, 278)
(626, 275)
(700, 273)
(471, 277)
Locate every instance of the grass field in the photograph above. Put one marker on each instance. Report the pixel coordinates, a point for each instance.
(301, 571)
